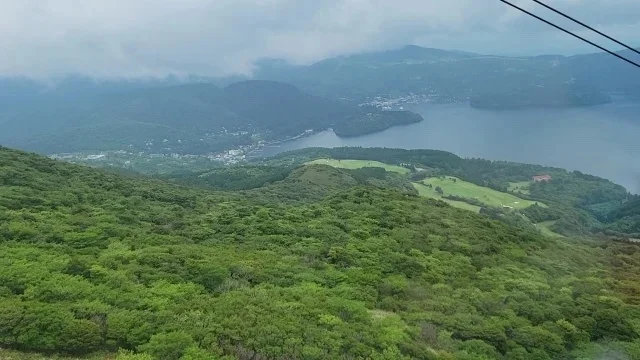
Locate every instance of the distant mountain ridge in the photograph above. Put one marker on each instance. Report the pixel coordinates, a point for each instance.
(489, 81)
(403, 55)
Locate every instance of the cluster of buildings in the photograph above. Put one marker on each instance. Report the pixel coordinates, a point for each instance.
(228, 157)
(125, 158)
(398, 103)
(166, 154)
(542, 178)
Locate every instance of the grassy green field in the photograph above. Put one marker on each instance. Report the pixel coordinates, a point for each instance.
(522, 186)
(490, 197)
(358, 164)
(545, 229)
(430, 193)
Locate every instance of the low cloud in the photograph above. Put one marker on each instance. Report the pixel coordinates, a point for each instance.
(133, 38)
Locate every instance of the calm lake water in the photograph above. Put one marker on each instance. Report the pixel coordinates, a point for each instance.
(602, 140)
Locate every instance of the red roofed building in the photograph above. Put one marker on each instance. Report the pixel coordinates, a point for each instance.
(541, 178)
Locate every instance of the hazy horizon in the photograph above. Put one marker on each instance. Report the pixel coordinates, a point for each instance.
(195, 77)
(137, 39)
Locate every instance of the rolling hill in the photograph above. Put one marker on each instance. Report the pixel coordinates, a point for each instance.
(578, 203)
(99, 265)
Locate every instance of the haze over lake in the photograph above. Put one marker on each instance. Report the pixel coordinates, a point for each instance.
(601, 140)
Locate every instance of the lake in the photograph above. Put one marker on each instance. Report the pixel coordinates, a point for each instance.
(601, 140)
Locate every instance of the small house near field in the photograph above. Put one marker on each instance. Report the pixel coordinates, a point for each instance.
(541, 178)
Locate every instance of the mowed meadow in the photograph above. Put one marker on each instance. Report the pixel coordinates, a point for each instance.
(456, 187)
(359, 164)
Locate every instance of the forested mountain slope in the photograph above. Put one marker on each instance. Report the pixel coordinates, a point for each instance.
(94, 261)
(626, 218)
(191, 118)
(607, 73)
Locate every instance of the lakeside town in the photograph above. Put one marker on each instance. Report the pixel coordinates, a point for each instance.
(160, 156)
(166, 155)
(389, 103)
(170, 161)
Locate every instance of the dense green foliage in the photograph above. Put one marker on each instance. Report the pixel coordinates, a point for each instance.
(193, 119)
(315, 182)
(231, 177)
(626, 218)
(288, 185)
(97, 261)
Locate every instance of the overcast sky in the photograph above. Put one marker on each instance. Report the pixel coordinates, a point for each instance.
(115, 38)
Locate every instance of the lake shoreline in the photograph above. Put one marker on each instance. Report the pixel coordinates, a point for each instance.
(598, 140)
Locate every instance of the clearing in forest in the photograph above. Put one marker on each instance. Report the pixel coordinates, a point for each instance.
(521, 187)
(452, 186)
(545, 229)
(358, 164)
(426, 191)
